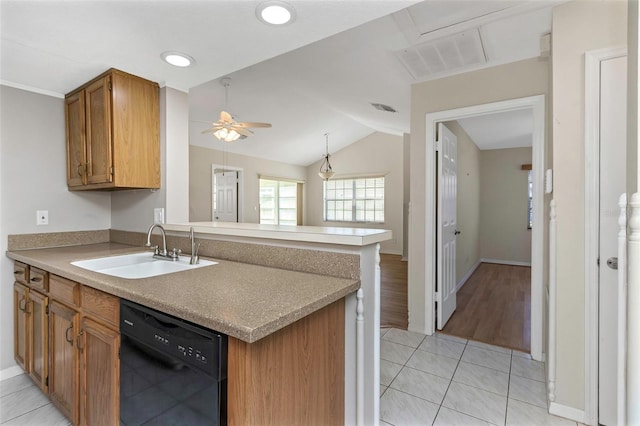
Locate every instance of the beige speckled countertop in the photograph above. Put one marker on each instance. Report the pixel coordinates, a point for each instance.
(245, 301)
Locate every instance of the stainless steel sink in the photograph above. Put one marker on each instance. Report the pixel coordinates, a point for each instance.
(139, 265)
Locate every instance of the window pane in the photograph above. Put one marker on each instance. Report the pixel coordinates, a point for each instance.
(278, 202)
(360, 200)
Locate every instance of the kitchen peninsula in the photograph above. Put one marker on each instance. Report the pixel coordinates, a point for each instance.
(269, 279)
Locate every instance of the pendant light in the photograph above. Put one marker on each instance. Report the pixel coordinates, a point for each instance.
(326, 172)
(226, 134)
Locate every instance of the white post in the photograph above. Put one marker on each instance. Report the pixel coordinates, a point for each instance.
(622, 306)
(552, 303)
(633, 313)
(360, 358)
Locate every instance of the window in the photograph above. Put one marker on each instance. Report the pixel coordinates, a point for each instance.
(279, 202)
(354, 200)
(530, 188)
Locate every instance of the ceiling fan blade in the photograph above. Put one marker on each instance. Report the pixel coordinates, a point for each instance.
(250, 124)
(211, 130)
(225, 117)
(242, 131)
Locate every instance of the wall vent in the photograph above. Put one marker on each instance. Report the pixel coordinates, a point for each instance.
(445, 54)
(383, 107)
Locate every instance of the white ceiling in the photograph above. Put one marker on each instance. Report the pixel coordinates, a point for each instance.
(316, 75)
(511, 129)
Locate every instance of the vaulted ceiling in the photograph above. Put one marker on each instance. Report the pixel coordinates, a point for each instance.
(316, 75)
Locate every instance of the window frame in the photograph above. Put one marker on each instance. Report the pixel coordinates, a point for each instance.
(355, 200)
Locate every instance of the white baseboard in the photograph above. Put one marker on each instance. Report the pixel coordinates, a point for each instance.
(506, 262)
(468, 274)
(10, 372)
(567, 412)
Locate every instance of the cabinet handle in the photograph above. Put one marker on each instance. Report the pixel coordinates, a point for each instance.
(22, 307)
(78, 339)
(66, 335)
(26, 306)
(36, 279)
(18, 272)
(80, 169)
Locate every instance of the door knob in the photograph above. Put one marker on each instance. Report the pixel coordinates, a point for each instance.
(456, 232)
(612, 262)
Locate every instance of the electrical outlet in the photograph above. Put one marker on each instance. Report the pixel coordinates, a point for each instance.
(42, 217)
(158, 215)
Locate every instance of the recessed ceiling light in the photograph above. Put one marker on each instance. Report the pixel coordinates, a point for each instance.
(275, 12)
(178, 59)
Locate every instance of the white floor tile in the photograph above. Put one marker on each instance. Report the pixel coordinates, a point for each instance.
(452, 338)
(395, 352)
(438, 365)
(47, 415)
(421, 384)
(449, 417)
(383, 331)
(442, 347)
(399, 408)
(388, 371)
(482, 377)
(21, 402)
(487, 358)
(528, 368)
(404, 337)
(521, 354)
(475, 402)
(528, 390)
(382, 389)
(490, 347)
(523, 414)
(15, 384)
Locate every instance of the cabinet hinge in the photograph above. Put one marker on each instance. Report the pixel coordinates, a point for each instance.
(437, 145)
(110, 87)
(598, 261)
(46, 310)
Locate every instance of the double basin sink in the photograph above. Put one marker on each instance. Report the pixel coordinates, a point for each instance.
(139, 265)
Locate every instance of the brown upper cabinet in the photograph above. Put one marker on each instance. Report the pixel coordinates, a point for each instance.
(112, 126)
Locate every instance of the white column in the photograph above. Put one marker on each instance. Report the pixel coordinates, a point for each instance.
(622, 308)
(633, 313)
(551, 366)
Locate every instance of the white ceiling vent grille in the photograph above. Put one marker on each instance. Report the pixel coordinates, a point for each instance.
(446, 54)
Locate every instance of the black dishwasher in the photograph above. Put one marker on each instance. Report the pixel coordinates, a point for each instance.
(172, 372)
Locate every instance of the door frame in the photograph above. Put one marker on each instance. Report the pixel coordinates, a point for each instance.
(593, 59)
(537, 105)
(240, 171)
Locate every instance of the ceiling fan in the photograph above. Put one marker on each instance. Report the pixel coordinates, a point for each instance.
(227, 128)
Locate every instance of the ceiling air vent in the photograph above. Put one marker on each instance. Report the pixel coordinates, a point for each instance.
(446, 54)
(383, 107)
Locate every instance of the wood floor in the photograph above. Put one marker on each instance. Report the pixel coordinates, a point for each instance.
(494, 306)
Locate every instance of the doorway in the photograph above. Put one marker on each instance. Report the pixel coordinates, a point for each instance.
(226, 197)
(536, 104)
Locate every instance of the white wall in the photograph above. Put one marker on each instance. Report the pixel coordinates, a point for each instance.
(378, 153)
(578, 26)
(200, 181)
(33, 156)
(503, 207)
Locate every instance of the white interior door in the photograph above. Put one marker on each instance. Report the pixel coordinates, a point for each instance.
(613, 136)
(225, 202)
(447, 189)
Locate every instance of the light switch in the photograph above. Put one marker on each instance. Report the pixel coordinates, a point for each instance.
(158, 215)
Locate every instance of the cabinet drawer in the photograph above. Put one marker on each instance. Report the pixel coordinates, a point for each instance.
(64, 290)
(38, 279)
(100, 305)
(20, 272)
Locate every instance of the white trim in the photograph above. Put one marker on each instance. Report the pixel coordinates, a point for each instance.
(551, 303)
(31, 89)
(633, 315)
(592, 222)
(622, 310)
(506, 262)
(567, 412)
(537, 105)
(468, 275)
(10, 372)
(360, 357)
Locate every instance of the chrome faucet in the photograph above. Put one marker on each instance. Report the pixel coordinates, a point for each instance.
(164, 254)
(195, 259)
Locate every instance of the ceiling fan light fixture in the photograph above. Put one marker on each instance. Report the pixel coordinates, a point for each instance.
(275, 12)
(326, 172)
(178, 59)
(227, 135)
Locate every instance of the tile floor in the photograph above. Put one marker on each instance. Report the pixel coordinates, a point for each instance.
(446, 380)
(425, 380)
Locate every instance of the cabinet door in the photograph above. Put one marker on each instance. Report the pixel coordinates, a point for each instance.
(99, 374)
(20, 325)
(75, 128)
(63, 366)
(38, 361)
(98, 134)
